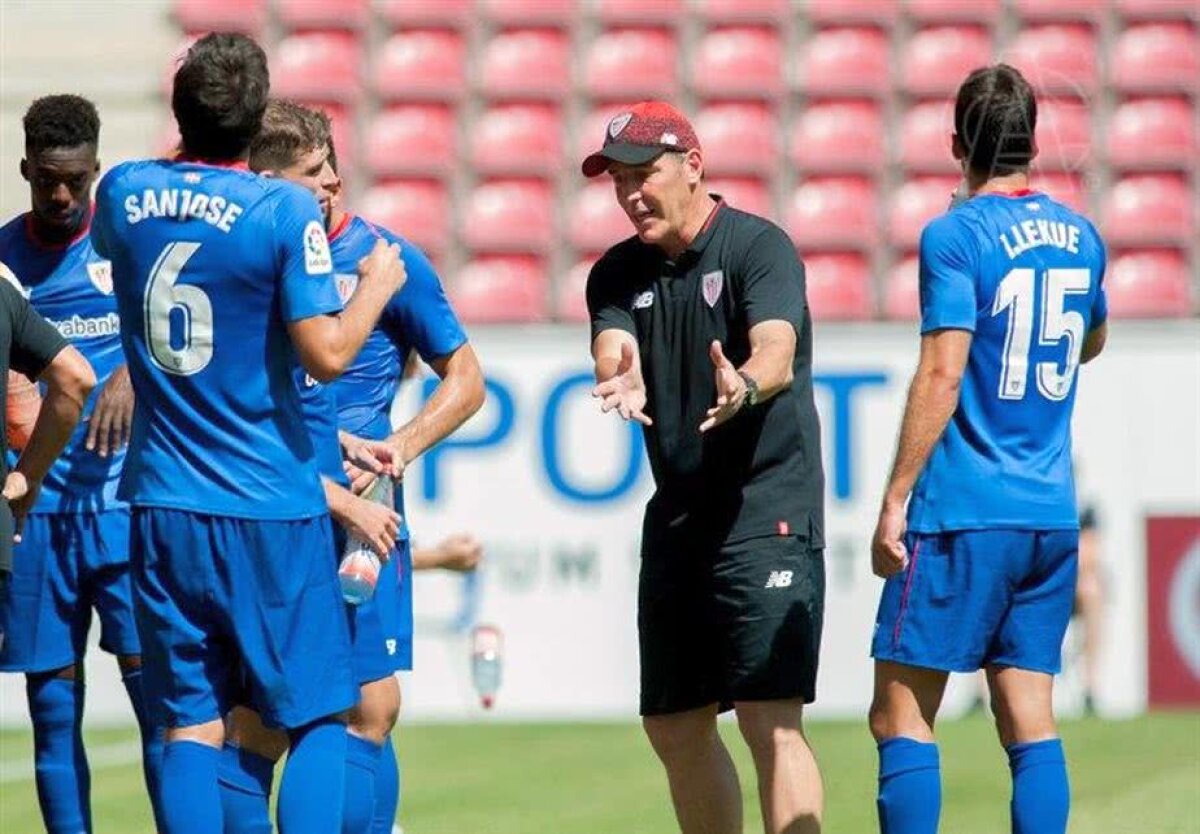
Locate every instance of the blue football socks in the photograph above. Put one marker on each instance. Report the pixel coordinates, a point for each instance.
(152, 740)
(362, 762)
(245, 784)
(910, 787)
(387, 790)
(63, 779)
(191, 802)
(311, 793)
(1041, 796)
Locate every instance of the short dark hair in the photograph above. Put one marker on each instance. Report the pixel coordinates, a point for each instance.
(220, 94)
(61, 121)
(289, 130)
(995, 114)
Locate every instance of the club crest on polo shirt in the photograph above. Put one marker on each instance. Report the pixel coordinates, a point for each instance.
(618, 124)
(711, 284)
(101, 274)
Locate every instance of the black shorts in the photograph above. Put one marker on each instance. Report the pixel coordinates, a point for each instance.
(725, 623)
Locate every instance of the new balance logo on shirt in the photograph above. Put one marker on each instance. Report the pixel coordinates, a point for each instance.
(779, 579)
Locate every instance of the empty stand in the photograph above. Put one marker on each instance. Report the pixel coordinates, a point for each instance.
(934, 11)
(499, 289)
(640, 11)
(412, 139)
(1066, 188)
(422, 64)
(597, 220)
(529, 12)
(199, 16)
(326, 14)
(1157, 56)
(1038, 11)
(1064, 134)
(833, 212)
(526, 63)
(1056, 58)
(852, 11)
(845, 61)
(926, 129)
(742, 62)
(738, 138)
(936, 60)
(901, 295)
(319, 66)
(1149, 284)
(509, 216)
(914, 204)
(838, 285)
(629, 64)
(418, 13)
(743, 193)
(1153, 132)
(571, 303)
(517, 139)
(417, 209)
(1147, 209)
(831, 136)
(726, 11)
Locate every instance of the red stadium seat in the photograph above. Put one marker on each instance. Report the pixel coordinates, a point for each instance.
(914, 204)
(1151, 9)
(528, 12)
(901, 296)
(345, 140)
(526, 63)
(742, 62)
(318, 66)
(1066, 188)
(326, 14)
(1056, 58)
(422, 64)
(500, 289)
(517, 139)
(834, 136)
(824, 12)
(845, 61)
(833, 212)
(597, 219)
(936, 60)
(417, 209)
(509, 216)
(1153, 132)
(738, 138)
(611, 54)
(1149, 208)
(412, 139)
(571, 303)
(404, 13)
(926, 129)
(1064, 135)
(838, 286)
(933, 11)
(1047, 10)
(743, 193)
(726, 11)
(1150, 283)
(1157, 56)
(199, 16)
(667, 12)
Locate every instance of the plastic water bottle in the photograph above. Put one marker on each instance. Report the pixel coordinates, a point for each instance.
(487, 650)
(358, 572)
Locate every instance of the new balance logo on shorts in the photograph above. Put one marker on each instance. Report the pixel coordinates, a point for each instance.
(779, 579)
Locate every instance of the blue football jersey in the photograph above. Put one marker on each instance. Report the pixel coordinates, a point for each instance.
(1025, 274)
(209, 264)
(418, 317)
(320, 415)
(71, 286)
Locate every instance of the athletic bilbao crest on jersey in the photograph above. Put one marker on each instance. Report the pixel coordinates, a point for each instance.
(101, 274)
(317, 259)
(711, 284)
(346, 285)
(618, 124)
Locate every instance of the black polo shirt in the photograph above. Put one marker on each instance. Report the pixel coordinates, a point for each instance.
(28, 343)
(760, 473)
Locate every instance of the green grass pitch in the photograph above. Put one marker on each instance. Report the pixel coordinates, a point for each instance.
(1141, 776)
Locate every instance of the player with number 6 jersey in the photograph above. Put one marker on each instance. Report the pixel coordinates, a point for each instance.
(980, 566)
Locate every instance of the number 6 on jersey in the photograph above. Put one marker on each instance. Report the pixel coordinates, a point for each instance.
(163, 295)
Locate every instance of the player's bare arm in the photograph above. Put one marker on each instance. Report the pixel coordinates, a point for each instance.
(1094, 342)
(932, 399)
(458, 395)
(21, 409)
(367, 521)
(328, 344)
(772, 352)
(69, 381)
(619, 375)
(460, 552)
(112, 418)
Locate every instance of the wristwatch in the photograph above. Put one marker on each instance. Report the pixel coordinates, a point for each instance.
(751, 398)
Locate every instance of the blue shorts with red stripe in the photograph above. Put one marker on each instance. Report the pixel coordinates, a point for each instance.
(976, 598)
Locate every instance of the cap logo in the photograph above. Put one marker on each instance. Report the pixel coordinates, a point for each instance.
(669, 139)
(618, 124)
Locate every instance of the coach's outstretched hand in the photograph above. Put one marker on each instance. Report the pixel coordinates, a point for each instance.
(112, 418)
(625, 390)
(888, 553)
(731, 389)
(384, 264)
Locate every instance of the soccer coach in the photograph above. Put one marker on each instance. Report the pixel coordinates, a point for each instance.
(701, 332)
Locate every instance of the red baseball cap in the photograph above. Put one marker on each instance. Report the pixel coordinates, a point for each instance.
(640, 134)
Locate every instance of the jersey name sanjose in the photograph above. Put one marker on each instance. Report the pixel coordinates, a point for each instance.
(182, 204)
